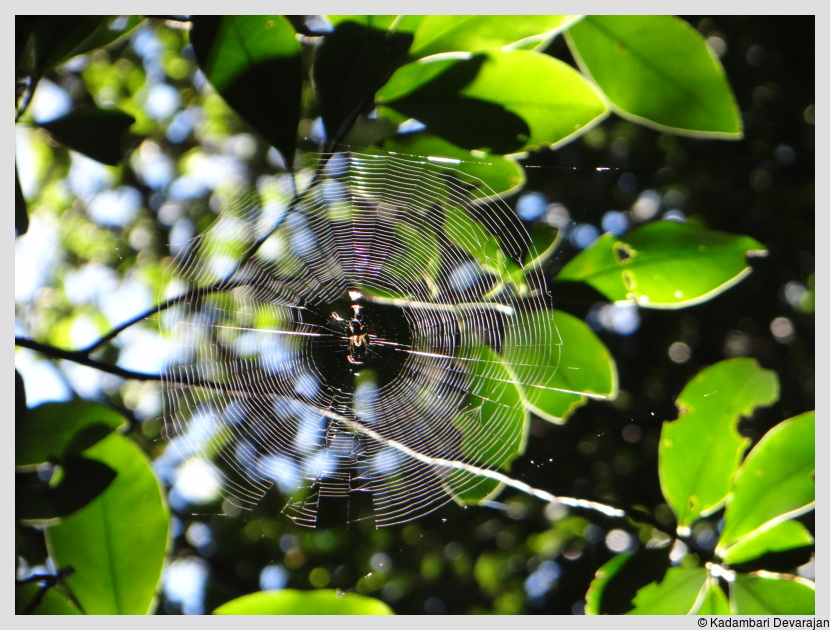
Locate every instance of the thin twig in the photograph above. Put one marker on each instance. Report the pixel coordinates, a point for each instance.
(49, 580)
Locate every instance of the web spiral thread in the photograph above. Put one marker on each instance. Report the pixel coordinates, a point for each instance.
(355, 336)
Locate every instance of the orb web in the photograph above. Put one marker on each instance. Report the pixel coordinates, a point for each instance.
(368, 333)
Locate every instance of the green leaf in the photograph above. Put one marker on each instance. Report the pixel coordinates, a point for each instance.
(53, 39)
(81, 480)
(97, 133)
(501, 176)
(656, 70)
(254, 62)
(117, 543)
(351, 64)
(493, 429)
(472, 33)
(393, 23)
(776, 482)
(714, 601)
(664, 264)
(545, 240)
(291, 602)
(617, 581)
(21, 213)
(772, 594)
(473, 237)
(418, 250)
(50, 429)
(700, 451)
(498, 102)
(782, 537)
(53, 602)
(553, 388)
(675, 594)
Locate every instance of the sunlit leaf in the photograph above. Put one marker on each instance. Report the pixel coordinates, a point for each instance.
(393, 23)
(772, 594)
(675, 594)
(782, 537)
(617, 581)
(664, 264)
(700, 451)
(714, 601)
(585, 366)
(97, 133)
(117, 543)
(775, 482)
(657, 71)
(351, 64)
(254, 62)
(499, 102)
(51, 428)
(291, 602)
(502, 175)
(445, 33)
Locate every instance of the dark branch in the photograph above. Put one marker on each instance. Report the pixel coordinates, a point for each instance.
(81, 357)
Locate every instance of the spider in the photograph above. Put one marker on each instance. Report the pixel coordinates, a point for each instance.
(357, 335)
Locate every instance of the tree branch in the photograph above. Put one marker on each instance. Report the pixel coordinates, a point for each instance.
(82, 357)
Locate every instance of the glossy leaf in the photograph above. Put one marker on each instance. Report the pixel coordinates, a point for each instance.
(585, 367)
(498, 102)
(472, 33)
(657, 71)
(117, 543)
(351, 64)
(675, 594)
(772, 594)
(664, 264)
(782, 537)
(292, 602)
(501, 176)
(97, 133)
(254, 62)
(701, 450)
(775, 482)
(617, 581)
(51, 428)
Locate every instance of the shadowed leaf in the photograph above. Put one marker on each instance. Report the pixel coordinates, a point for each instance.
(254, 62)
(96, 133)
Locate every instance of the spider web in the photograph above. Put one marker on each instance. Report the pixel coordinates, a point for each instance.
(418, 405)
